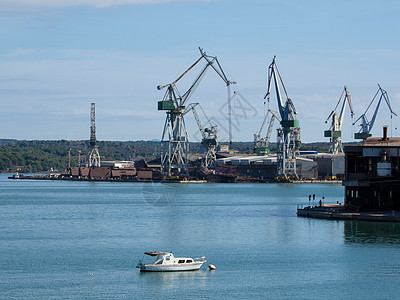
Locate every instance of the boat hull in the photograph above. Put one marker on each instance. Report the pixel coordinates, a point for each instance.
(171, 268)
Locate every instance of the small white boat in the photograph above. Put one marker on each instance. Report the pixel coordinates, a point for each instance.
(167, 262)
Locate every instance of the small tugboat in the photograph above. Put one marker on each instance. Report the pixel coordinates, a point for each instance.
(166, 262)
(15, 176)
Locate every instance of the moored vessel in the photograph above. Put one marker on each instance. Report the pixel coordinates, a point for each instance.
(167, 262)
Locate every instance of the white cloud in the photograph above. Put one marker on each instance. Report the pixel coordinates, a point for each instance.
(94, 3)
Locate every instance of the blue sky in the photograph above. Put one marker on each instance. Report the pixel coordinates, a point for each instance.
(58, 56)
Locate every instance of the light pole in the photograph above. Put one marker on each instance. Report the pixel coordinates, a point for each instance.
(69, 158)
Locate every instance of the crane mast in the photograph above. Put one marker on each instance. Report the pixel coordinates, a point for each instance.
(289, 131)
(261, 144)
(366, 125)
(93, 155)
(209, 136)
(174, 141)
(334, 133)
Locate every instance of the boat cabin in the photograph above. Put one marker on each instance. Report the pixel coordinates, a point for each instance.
(167, 258)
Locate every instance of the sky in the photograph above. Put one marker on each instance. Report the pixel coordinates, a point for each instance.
(58, 56)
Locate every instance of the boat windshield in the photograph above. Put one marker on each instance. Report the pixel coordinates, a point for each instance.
(159, 260)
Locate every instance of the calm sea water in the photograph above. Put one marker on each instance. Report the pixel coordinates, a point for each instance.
(83, 240)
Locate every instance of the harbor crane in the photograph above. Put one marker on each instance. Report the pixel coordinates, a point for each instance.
(93, 155)
(289, 132)
(366, 125)
(174, 141)
(334, 133)
(261, 144)
(209, 135)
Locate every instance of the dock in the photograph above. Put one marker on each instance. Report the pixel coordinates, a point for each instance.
(338, 212)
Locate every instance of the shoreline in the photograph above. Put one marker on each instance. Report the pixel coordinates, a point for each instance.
(48, 177)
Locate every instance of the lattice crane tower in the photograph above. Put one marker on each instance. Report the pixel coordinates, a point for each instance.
(174, 142)
(93, 155)
(335, 131)
(289, 131)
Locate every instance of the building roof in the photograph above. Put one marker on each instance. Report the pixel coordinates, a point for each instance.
(84, 171)
(122, 172)
(255, 159)
(379, 142)
(100, 172)
(320, 155)
(74, 171)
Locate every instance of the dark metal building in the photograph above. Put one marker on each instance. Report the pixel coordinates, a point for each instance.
(372, 180)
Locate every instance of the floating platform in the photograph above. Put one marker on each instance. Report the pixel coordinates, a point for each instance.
(338, 212)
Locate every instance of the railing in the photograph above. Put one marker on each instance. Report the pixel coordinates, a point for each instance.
(203, 258)
(139, 264)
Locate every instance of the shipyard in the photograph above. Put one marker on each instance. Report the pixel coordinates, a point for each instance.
(218, 161)
(199, 149)
(368, 168)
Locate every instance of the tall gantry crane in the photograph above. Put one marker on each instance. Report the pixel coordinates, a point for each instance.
(174, 142)
(289, 132)
(366, 126)
(209, 135)
(261, 144)
(93, 155)
(334, 133)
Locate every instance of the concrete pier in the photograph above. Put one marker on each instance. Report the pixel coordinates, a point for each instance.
(338, 212)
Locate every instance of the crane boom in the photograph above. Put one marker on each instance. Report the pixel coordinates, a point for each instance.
(195, 84)
(334, 133)
(289, 132)
(174, 142)
(348, 97)
(366, 126)
(184, 73)
(274, 116)
(199, 124)
(209, 135)
(219, 70)
(261, 144)
(272, 77)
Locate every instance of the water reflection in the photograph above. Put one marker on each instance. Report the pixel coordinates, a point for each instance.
(174, 280)
(159, 194)
(167, 276)
(357, 232)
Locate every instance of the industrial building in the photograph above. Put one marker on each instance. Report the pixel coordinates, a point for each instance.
(118, 164)
(372, 179)
(265, 166)
(329, 164)
(101, 173)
